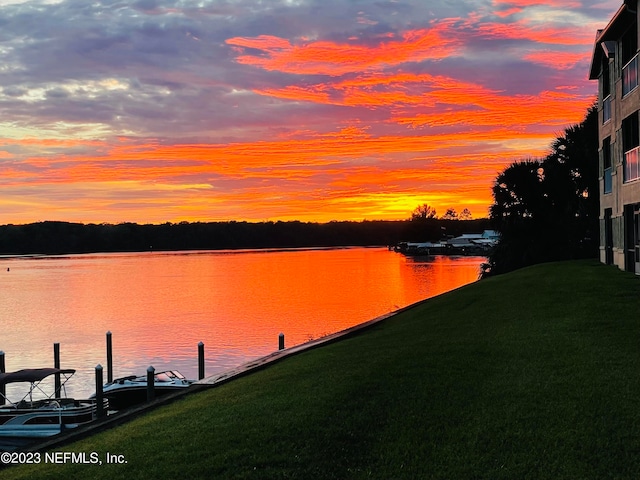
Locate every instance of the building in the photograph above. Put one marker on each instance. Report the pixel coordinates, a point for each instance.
(615, 65)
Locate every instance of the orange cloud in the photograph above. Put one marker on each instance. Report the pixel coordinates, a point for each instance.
(531, 3)
(326, 155)
(549, 108)
(315, 93)
(329, 58)
(52, 142)
(443, 101)
(386, 90)
(566, 35)
(559, 60)
(508, 12)
(346, 174)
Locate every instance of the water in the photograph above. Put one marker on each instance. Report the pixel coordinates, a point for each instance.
(158, 306)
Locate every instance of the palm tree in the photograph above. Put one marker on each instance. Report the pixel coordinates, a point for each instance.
(548, 209)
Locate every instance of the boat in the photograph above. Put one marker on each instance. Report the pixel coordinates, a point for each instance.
(38, 413)
(129, 391)
(421, 248)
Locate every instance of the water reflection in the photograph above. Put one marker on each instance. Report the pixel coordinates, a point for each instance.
(160, 305)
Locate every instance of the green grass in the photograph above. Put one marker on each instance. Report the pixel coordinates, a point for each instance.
(534, 374)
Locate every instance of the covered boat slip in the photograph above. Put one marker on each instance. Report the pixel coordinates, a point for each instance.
(33, 376)
(45, 416)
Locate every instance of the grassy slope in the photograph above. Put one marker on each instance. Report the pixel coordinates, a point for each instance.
(528, 375)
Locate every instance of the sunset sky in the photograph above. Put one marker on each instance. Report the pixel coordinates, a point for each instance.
(151, 111)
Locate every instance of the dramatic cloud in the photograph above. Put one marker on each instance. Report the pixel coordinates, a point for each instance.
(330, 58)
(158, 110)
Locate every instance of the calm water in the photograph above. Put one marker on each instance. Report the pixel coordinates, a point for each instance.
(158, 306)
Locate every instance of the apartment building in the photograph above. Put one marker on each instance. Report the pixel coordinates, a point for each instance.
(615, 65)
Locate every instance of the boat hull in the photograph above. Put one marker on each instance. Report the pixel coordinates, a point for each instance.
(130, 391)
(126, 397)
(46, 419)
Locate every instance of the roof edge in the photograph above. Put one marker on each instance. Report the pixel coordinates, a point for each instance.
(627, 6)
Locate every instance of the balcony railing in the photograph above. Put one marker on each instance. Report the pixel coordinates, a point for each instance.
(631, 165)
(606, 109)
(630, 76)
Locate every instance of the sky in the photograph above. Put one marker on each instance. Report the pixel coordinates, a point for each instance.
(156, 111)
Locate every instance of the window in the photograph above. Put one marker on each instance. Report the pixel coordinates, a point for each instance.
(629, 43)
(606, 160)
(630, 143)
(631, 165)
(630, 76)
(630, 59)
(606, 109)
(606, 92)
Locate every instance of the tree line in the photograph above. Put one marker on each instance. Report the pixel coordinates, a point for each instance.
(64, 237)
(547, 209)
(426, 211)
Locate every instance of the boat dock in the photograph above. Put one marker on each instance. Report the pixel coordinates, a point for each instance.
(466, 244)
(110, 421)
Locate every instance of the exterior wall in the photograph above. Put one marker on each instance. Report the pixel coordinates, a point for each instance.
(613, 200)
(622, 194)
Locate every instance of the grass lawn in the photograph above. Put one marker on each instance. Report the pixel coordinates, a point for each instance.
(533, 374)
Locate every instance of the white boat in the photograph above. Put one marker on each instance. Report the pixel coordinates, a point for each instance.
(128, 391)
(38, 413)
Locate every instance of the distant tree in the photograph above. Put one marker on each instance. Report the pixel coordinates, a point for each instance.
(547, 209)
(465, 215)
(423, 212)
(450, 214)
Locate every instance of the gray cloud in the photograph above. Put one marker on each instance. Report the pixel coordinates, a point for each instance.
(162, 68)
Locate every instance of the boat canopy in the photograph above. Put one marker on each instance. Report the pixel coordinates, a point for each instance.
(32, 375)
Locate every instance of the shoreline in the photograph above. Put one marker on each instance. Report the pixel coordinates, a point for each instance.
(207, 383)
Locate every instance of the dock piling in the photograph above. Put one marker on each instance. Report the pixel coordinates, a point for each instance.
(3, 392)
(281, 341)
(56, 364)
(151, 392)
(99, 394)
(200, 361)
(109, 358)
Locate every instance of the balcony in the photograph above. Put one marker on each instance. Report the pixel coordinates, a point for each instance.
(630, 76)
(631, 165)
